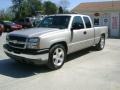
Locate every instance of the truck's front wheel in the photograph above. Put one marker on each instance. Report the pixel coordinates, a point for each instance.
(57, 56)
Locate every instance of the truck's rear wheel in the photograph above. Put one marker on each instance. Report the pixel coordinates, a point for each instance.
(101, 43)
(57, 56)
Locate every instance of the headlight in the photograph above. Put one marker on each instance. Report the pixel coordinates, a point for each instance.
(33, 43)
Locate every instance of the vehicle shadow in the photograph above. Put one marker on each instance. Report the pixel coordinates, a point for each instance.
(10, 68)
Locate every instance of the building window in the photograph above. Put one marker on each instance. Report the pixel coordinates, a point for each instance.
(105, 20)
(96, 21)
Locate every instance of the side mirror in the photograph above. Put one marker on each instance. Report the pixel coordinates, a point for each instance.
(76, 26)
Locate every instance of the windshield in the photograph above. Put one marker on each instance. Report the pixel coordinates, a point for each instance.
(60, 22)
(9, 23)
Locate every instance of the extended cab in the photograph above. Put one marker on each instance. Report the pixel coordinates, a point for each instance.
(56, 36)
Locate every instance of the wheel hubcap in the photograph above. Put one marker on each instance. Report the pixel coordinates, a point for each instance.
(102, 43)
(58, 57)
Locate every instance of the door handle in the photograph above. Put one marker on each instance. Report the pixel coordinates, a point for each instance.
(85, 32)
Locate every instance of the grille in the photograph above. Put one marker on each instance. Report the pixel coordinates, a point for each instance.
(17, 41)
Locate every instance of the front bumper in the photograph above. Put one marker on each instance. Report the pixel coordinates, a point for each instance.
(38, 58)
(17, 28)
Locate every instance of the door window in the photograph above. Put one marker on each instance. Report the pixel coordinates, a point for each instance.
(87, 22)
(77, 23)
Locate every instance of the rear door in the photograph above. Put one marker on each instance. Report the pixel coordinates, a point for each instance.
(90, 32)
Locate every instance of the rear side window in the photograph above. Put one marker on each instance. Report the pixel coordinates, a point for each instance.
(27, 20)
(78, 21)
(21, 20)
(87, 22)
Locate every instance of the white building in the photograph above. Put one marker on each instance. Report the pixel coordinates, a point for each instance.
(103, 14)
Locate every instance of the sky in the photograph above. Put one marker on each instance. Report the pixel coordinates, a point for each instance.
(4, 4)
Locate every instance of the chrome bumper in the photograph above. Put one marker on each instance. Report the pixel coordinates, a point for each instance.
(36, 59)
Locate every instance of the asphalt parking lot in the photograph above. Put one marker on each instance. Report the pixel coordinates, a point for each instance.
(84, 70)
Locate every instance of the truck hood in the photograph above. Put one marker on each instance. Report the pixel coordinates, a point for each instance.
(33, 32)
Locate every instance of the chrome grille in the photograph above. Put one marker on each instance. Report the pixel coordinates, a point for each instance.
(17, 41)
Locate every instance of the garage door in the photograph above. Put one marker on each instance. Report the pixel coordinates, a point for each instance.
(115, 24)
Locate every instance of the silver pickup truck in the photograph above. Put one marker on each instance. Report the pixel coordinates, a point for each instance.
(54, 38)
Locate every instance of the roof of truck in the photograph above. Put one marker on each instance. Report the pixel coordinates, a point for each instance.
(68, 15)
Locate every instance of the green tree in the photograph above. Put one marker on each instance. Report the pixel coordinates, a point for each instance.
(6, 14)
(60, 10)
(24, 8)
(49, 8)
(16, 8)
(64, 4)
(35, 5)
(2, 14)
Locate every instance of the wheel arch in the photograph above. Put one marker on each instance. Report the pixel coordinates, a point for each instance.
(62, 43)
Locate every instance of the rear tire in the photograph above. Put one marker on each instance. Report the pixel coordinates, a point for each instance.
(57, 57)
(101, 44)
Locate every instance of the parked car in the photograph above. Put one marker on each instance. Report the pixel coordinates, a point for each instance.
(56, 36)
(1, 29)
(25, 22)
(10, 26)
(37, 22)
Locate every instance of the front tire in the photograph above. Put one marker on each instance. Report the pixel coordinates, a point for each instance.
(57, 57)
(101, 44)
